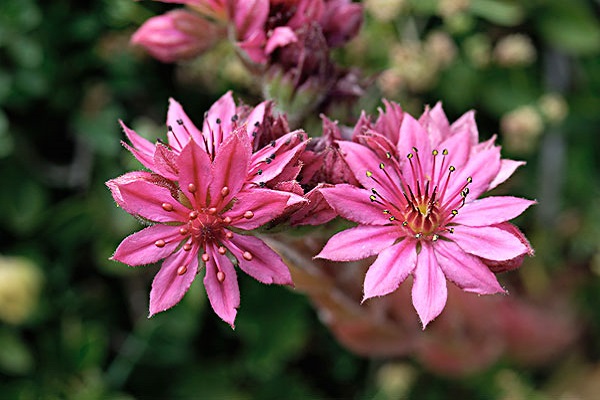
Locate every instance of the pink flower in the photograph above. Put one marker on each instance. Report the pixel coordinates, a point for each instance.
(176, 35)
(420, 214)
(200, 218)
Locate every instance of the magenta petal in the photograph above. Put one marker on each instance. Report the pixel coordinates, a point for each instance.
(230, 169)
(429, 291)
(491, 210)
(149, 201)
(218, 121)
(316, 212)
(271, 160)
(165, 162)
(140, 248)
(468, 272)
(133, 176)
(390, 269)
(181, 128)
(359, 242)
(223, 294)
(488, 242)
(264, 264)
(142, 149)
(458, 149)
(262, 205)
(195, 173)
(507, 168)
(280, 37)
(355, 205)
(173, 280)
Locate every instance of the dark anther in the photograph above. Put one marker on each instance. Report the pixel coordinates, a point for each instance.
(180, 121)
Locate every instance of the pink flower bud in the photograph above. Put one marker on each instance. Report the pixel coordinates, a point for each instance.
(176, 35)
(341, 21)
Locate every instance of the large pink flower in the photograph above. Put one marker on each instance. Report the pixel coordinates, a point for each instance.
(201, 217)
(419, 213)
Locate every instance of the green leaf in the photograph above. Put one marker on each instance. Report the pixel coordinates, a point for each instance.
(15, 357)
(498, 11)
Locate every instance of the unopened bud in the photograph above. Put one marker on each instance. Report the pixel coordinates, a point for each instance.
(514, 50)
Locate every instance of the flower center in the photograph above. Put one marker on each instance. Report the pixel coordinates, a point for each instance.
(206, 226)
(421, 204)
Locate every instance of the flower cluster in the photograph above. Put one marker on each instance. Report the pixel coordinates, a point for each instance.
(287, 43)
(412, 186)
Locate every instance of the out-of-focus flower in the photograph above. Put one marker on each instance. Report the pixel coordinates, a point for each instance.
(451, 8)
(553, 107)
(200, 217)
(20, 286)
(394, 380)
(478, 49)
(341, 21)
(440, 47)
(521, 129)
(419, 211)
(177, 35)
(385, 10)
(514, 51)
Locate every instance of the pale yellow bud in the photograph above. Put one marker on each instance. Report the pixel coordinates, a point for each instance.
(440, 47)
(385, 10)
(514, 50)
(390, 83)
(478, 50)
(553, 107)
(20, 286)
(394, 380)
(521, 129)
(449, 8)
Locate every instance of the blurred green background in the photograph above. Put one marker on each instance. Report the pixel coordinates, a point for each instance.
(74, 325)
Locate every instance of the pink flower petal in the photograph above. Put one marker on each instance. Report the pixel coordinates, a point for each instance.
(359, 242)
(270, 161)
(491, 210)
(507, 168)
(173, 280)
(468, 272)
(316, 212)
(436, 124)
(263, 205)
(507, 265)
(488, 242)
(264, 264)
(281, 36)
(458, 149)
(355, 205)
(481, 167)
(142, 149)
(467, 123)
(390, 269)
(195, 173)
(230, 169)
(165, 162)
(218, 123)
(150, 201)
(181, 128)
(429, 291)
(413, 135)
(361, 159)
(140, 248)
(389, 121)
(133, 176)
(223, 294)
